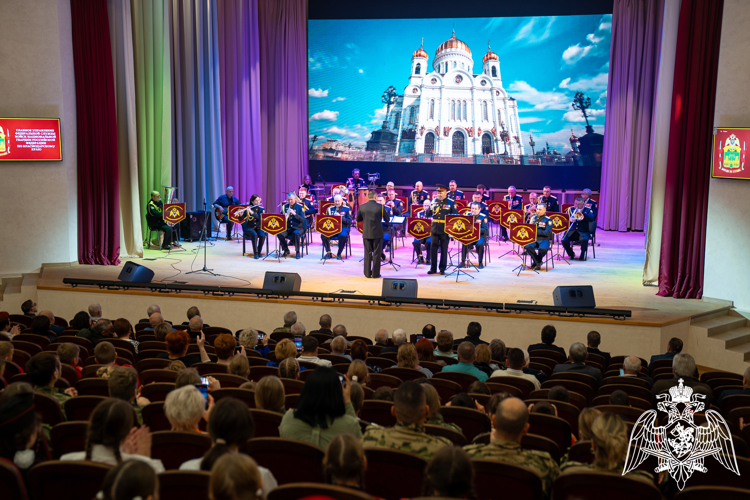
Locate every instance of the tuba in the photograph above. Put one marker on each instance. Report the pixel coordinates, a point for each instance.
(170, 192)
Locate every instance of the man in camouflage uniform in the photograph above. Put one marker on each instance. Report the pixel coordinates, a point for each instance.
(511, 424)
(44, 370)
(411, 410)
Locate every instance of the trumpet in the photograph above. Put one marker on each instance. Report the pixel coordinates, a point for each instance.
(578, 215)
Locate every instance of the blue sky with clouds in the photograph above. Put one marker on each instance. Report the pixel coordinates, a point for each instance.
(543, 62)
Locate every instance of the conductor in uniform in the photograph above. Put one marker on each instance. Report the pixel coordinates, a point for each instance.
(155, 219)
(439, 208)
(371, 214)
(223, 202)
(544, 236)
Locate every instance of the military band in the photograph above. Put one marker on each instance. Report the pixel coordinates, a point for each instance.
(300, 208)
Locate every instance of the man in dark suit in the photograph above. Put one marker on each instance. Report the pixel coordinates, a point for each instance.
(683, 366)
(578, 355)
(736, 392)
(473, 332)
(549, 333)
(594, 339)
(631, 367)
(371, 214)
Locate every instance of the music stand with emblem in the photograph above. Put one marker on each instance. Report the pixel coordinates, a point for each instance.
(328, 226)
(464, 230)
(234, 217)
(681, 446)
(508, 218)
(273, 225)
(419, 229)
(560, 224)
(522, 235)
(173, 214)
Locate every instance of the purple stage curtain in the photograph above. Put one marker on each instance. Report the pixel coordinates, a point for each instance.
(240, 96)
(98, 184)
(283, 74)
(689, 163)
(631, 92)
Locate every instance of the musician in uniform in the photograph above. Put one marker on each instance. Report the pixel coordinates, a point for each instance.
(544, 236)
(390, 187)
(396, 206)
(345, 212)
(335, 192)
(438, 209)
(549, 201)
(155, 219)
(308, 184)
(580, 220)
(354, 183)
(476, 211)
(223, 203)
(514, 202)
(530, 208)
(453, 192)
(476, 197)
(296, 224)
(250, 217)
(589, 202)
(307, 200)
(481, 188)
(417, 244)
(418, 196)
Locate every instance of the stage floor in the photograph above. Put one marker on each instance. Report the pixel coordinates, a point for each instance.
(616, 275)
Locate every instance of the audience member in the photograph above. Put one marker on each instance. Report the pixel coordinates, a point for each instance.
(340, 331)
(429, 332)
(154, 320)
(40, 326)
(235, 476)
(68, 355)
(178, 343)
(543, 408)
(289, 368)
(473, 332)
(195, 327)
(399, 339)
(7, 331)
(100, 330)
(357, 397)
(224, 345)
(161, 331)
(325, 323)
(540, 375)
(674, 347)
(239, 365)
(269, 394)
(105, 371)
(338, 347)
(593, 339)
(249, 340)
(105, 353)
(559, 393)
(407, 358)
(735, 392)
(28, 308)
(230, 426)
(511, 424)
(426, 352)
(185, 407)
(499, 352)
(21, 438)
(360, 352)
(111, 438)
(284, 349)
(95, 312)
(549, 333)
(123, 384)
(298, 329)
(44, 370)
(151, 310)
(290, 318)
(383, 394)
(578, 355)
(609, 441)
(381, 338)
(56, 330)
(492, 405)
(7, 351)
(323, 410)
(466, 357)
(432, 398)
(631, 367)
(683, 366)
(411, 411)
(585, 420)
(190, 376)
(191, 313)
(123, 330)
(445, 345)
(463, 400)
(515, 362)
(484, 360)
(310, 352)
(358, 372)
(248, 386)
(450, 474)
(344, 463)
(478, 387)
(131, 479)
(80, 321)
(176, 366)
(619, 398)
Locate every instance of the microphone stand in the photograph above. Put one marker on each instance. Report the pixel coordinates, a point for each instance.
(204, 242)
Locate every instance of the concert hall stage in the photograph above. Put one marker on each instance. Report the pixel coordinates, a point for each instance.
(615, 274)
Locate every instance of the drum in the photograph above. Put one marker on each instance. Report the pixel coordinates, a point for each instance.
(362, 196)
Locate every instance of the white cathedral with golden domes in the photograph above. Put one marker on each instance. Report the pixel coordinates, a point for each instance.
(451, 110)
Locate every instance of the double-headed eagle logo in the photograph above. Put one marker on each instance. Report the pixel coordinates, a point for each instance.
(512, 219)
(459, 226)
(680, 445)
(174, 213)
(557, 222)
(273, 223)
(495, 209)
(328, 225)
(523, 234)
(419, 227)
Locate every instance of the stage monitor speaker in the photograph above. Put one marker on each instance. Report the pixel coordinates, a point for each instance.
(282, 282)
(393, 288)
(192, 225)
(136, 273)
(574, 296)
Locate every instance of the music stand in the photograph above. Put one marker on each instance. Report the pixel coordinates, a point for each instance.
(395, 219)
(560, 225)
(329, 226)
(465, 237)
(273, 225)
(522, 234)
(419, 229)
(509, 218)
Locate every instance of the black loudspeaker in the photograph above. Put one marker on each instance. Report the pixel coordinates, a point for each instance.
(399, 288)
(282, 282)
(192, 225)
(574, 296)
(136, 273)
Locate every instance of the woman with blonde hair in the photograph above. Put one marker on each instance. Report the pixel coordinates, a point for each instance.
(239, 365)
(433, 402)
(358, 372)
(248, 338)
(284, 349)
(185, 407)
(585, 420)
(609, 441)
(407, 358)
(484, 360)
(269, 394)
(235, 476)
(289, 368)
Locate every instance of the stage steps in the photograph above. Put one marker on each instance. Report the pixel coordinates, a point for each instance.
(731, 329)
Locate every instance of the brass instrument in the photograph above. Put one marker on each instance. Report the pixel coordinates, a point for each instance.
(578, 214)
(413, 197)
(169, 194)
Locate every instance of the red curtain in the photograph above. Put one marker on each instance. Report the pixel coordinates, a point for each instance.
(98, 190)
(689, 162)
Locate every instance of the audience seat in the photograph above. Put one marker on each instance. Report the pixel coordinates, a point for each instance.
(258, 372)
(245, 395)
(456, 437)
(155, 418)
(703, 492)
(228, 380)
(380, 380)
(632, 414)
(292, 386)
(32, 338)
(596, 485)
(393, 356)
(210, 368)
(596, 358)
(216, 330)
(81, 407)
(448, 360)
(432, 366)
(565, 411)
(446, 389)
(463, 379)
(276, 454)
(383, 363)
(93, 387)
(626, 380)
(718, 474)
(546, 365)
(575, 399)
(290, 401)
(352, 338)
(49, 409)
(659, 363)
(151, 344)
(384, 464)
(516, 481)
(554, 428)
(257, 360)
(30, 347)
(152, 364)
(733, 417)
(68, 437)
(279, 336)
(471, 422)
(89, 371)
(582, 452)
(293, 491)
(307, 365)
(631, 390)
(621, 359)
(377, 412)
(584, 378)
(740, 447)
(11, 370)
(173, 447)
(24, 377)
(266, 422)
(145, 336)
(80, 341)
(154, 375)
(662, 376)
(541, 443)
(179, 485)
(21, 319)
(157, 391)
(69, 373)
(514, 391)
(342, 368)
(483, 438)
(304, 374)
(584, 390)
(322, 337)
(639, 403)
(549, 354)
(21, 357)
(706, 376)
(404, 373)
(525, 386)
(144, 353)
(11, 482)
(66, 480)
(541, 367)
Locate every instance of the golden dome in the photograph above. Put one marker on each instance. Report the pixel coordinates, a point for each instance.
(489, 55)
(420, 53)
(452, 43)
